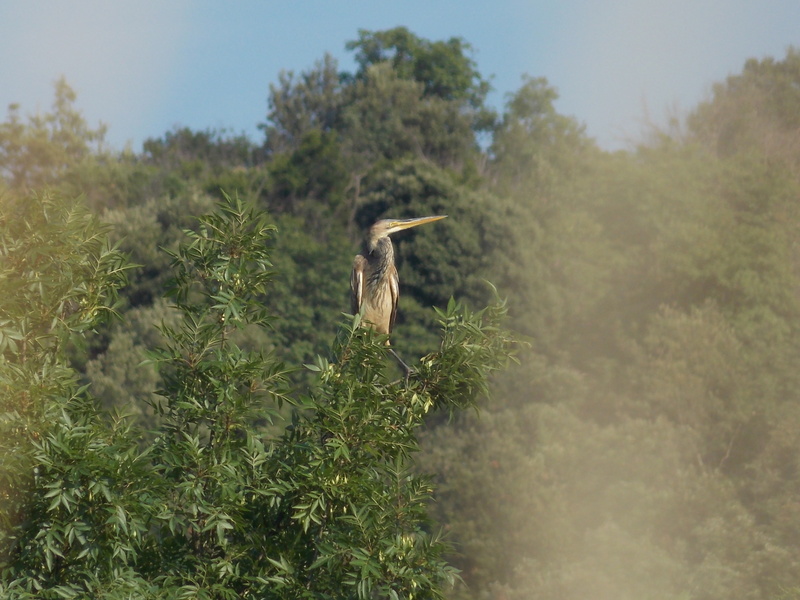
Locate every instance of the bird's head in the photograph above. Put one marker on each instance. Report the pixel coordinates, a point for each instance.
(386, 227)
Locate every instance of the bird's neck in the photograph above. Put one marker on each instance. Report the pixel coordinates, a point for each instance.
(381, 248)
(381, 255)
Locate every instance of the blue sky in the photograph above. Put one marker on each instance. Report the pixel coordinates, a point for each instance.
(145, 66)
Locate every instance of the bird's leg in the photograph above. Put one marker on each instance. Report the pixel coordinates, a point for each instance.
(405, 367)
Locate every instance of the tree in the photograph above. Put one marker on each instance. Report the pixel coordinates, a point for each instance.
(442, 67)
(410, 98)
(222, 504)
(71, 484)
(309, 181)
(642, 451)
(330, 505)
(440, 107)
(756, 109)
(533, 142)
(389, 117)
(212, 149)
(297, 106)
(49, 145)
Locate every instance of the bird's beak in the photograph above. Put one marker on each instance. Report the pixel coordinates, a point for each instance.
(401, 224)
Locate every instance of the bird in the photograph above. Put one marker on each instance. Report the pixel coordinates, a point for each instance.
(374, 284)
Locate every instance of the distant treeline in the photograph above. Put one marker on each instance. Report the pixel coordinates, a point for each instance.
(646, 446)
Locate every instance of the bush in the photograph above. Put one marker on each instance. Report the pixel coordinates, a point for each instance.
(219, 505)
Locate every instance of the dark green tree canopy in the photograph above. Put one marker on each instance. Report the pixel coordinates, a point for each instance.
(442, 67)
(299, 104)
(214, 149)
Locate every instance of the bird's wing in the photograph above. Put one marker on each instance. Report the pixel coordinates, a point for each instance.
(357, 283)
(394, 290)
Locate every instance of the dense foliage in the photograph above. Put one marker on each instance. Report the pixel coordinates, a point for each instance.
(644, 447)
(219, 504)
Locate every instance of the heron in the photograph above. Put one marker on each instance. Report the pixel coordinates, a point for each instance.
(374, 283)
